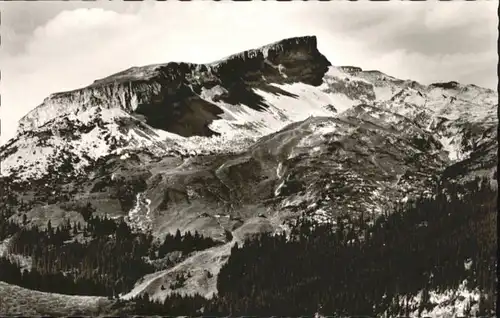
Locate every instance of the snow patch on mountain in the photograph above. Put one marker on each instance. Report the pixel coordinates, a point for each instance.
(339, 73)
(140, 215)
(304, 101)
(28, 161)
(240, 125)
(383, 92)
(80, 138)
(450, 147)
(459, 302)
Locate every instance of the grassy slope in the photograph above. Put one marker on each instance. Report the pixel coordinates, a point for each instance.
(15, 300)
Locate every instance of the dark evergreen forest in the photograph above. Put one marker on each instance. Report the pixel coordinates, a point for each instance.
(355, 269)
(103, 258)
(347, 268)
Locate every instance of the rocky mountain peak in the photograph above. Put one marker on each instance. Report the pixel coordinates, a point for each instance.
(164, 93)
(288, 51)
(446, 85)
(351, 69)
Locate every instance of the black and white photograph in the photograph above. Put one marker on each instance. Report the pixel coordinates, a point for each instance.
(249, 158)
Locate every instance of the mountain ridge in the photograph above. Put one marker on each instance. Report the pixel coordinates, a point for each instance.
(173, 74)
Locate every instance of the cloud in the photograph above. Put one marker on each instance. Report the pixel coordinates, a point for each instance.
(71, 48)
(81, 22)
(471, 68)
(476, 16)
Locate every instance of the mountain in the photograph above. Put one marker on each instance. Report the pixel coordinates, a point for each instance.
(180, 102)
(245, 145)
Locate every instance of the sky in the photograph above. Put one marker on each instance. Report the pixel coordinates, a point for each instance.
(48, 47)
